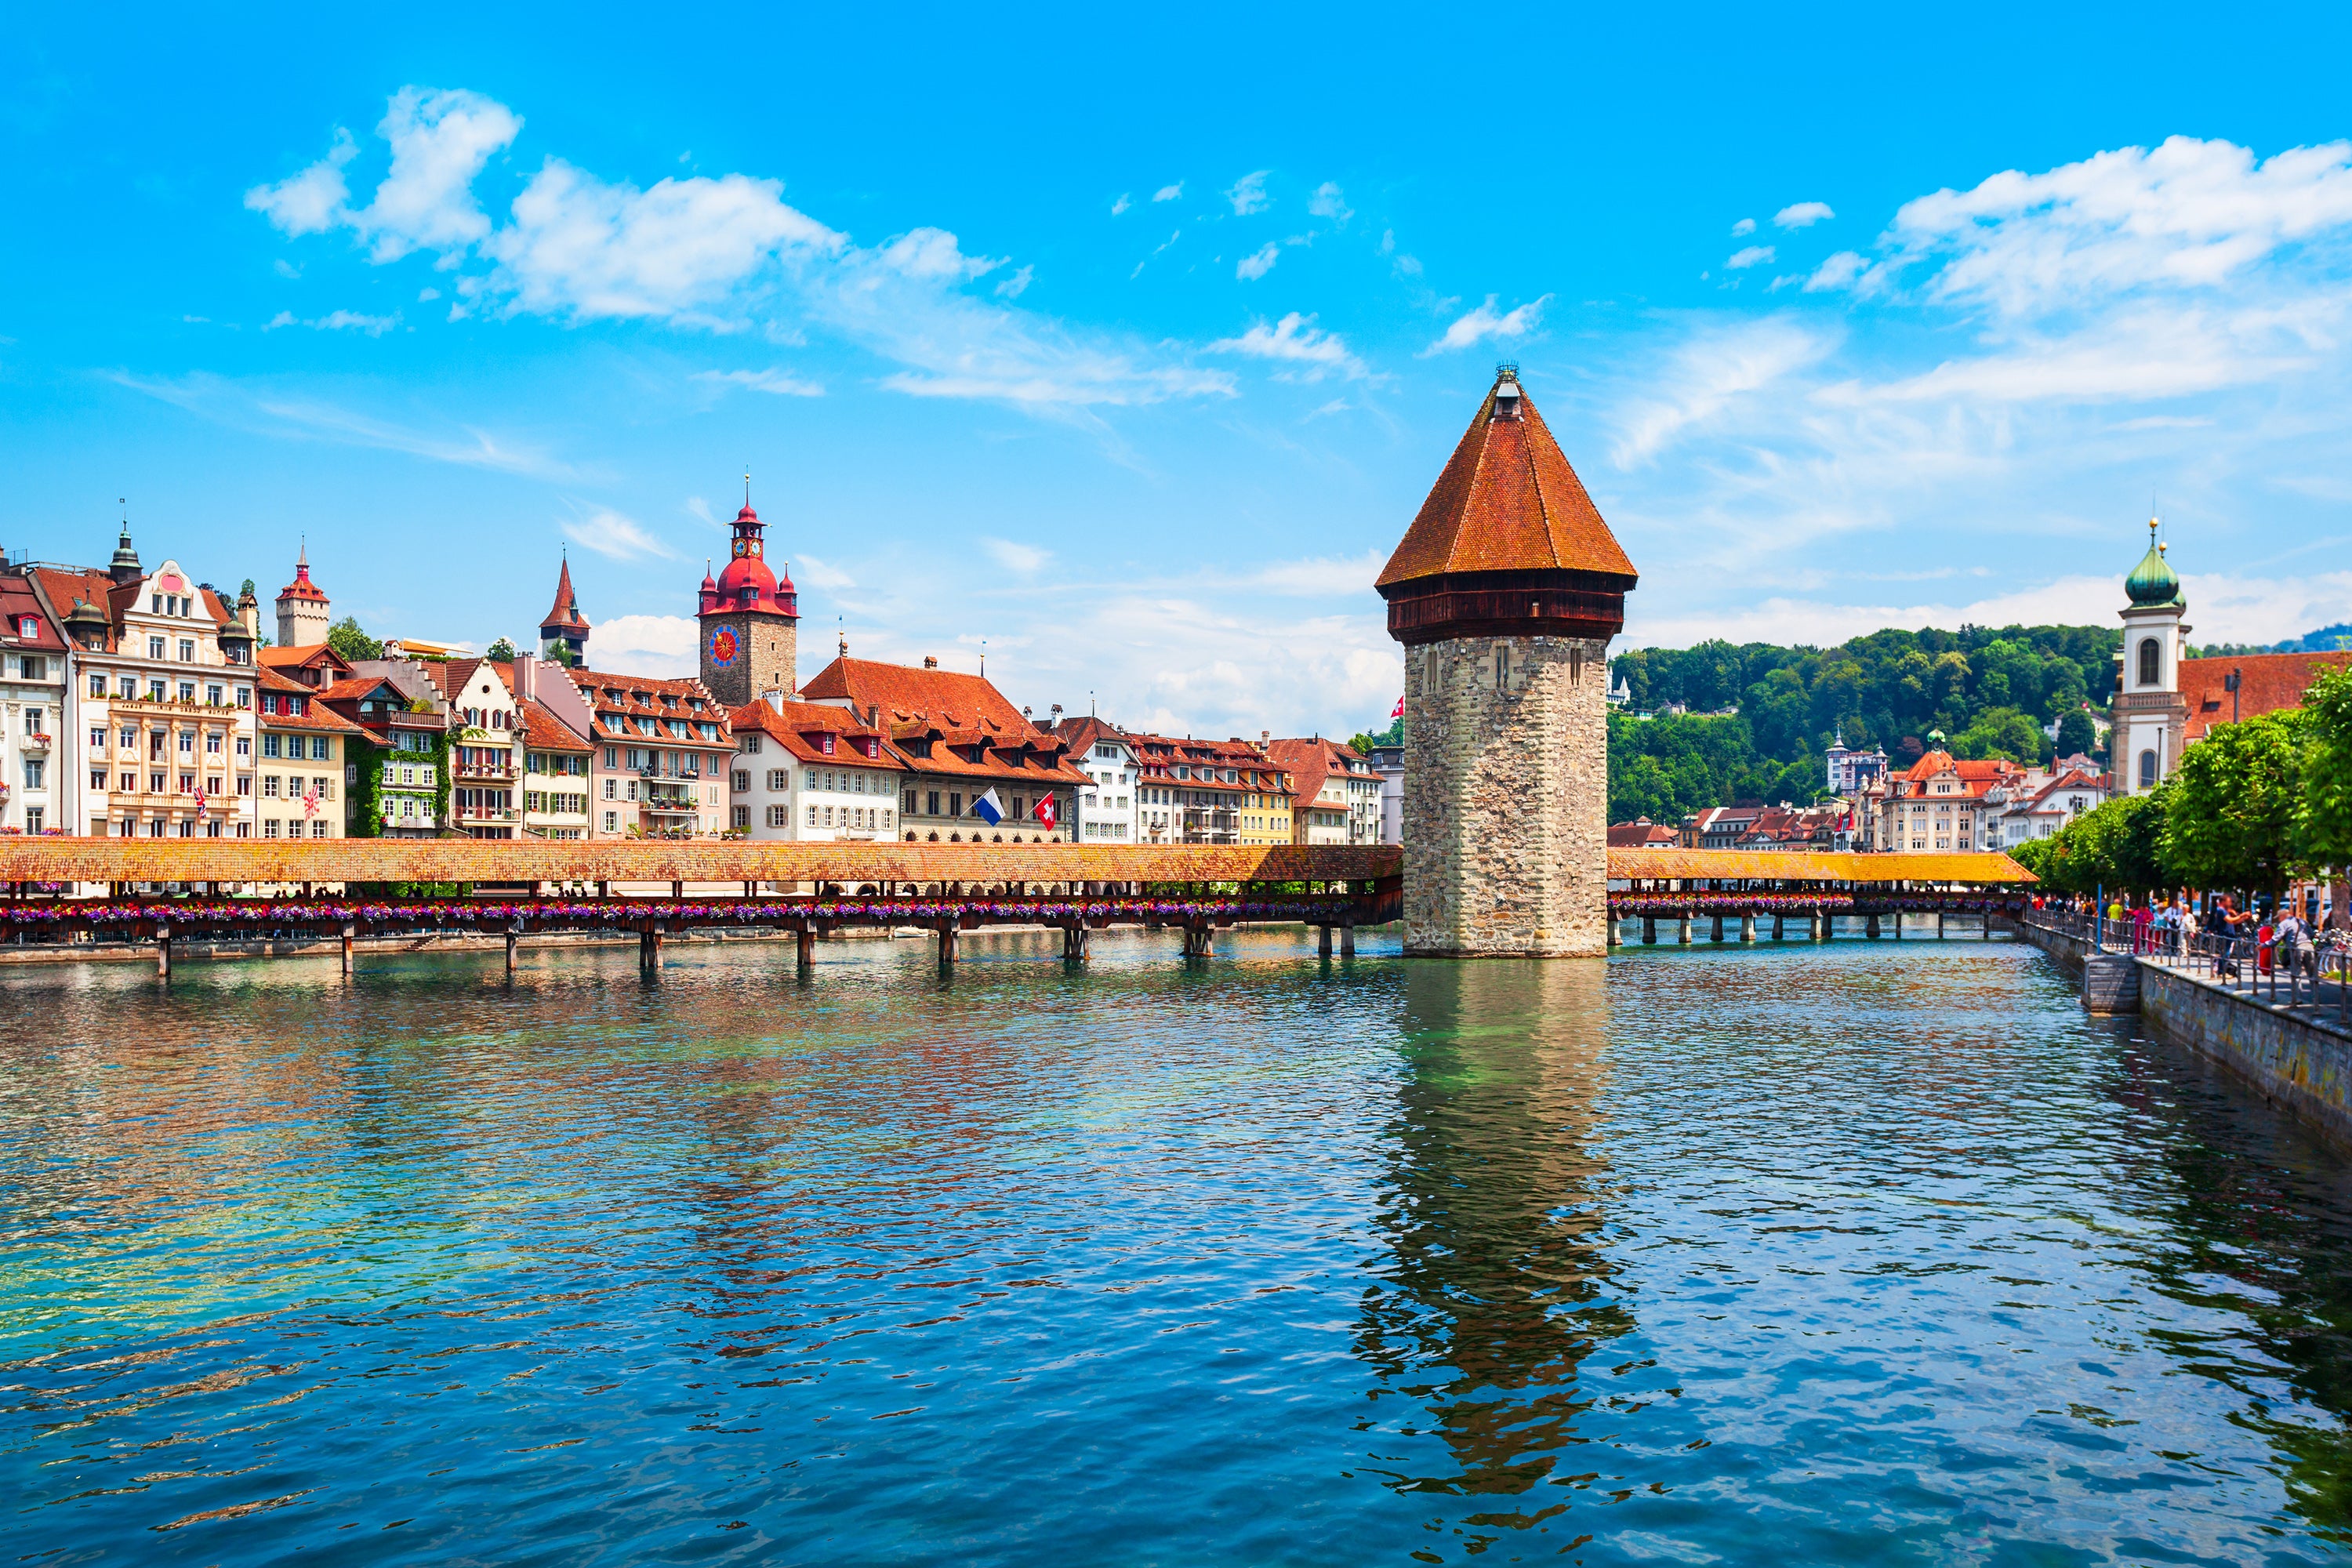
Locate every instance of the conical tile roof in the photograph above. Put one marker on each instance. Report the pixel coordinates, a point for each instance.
(1507, 501)
(566, 612)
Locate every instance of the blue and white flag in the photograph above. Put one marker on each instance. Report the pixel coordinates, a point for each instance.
(988, 809)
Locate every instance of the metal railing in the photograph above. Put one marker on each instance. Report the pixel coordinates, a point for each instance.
(2313, 973)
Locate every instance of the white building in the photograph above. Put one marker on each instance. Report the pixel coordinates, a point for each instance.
(2150, 715)
(35, 774)
(1107, 812)
(160, 737)
(811, 772)
(1335, 792)
(2038, 804)
(1850, 772)
(1388, 762)
(484, 733)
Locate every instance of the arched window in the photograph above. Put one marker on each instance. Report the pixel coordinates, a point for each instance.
(2148, 770)
(2149, 661)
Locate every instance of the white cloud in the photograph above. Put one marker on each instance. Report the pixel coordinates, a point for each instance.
(1015, 286)
(1838, 272)
(1484, 323)
(1744, 228)
(1121, 204)
(611, 533)
(646, 645)
(1327, 202)
(1803, 214)
(726, 253)
(426, 296)
(1169, 192)
(313, 201)
(1750, 256)
(1025, 559)
(781, 384)
(1259, 262)
(1248, 194)
(1297, 341)
(2189, 214)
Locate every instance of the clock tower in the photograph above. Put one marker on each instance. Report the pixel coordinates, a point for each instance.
(749, 621)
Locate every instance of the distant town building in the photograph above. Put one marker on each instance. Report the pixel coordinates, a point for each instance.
(1388, 762)
(813, 772)
(1107, 811)
(563, 632)
(1850, 770)
(302, 609)
(1197, 790)
(749, 621)
(1642, 834)
(1939, 805)
(2038, 804)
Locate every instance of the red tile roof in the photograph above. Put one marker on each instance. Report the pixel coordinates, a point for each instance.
(798, 728)
(1311, 760)
(1508, 501)
(543, 732)
(566, 612)
(1642, 834)
(945, 722)
(633, 710)
(313, 715)
(2266, 683)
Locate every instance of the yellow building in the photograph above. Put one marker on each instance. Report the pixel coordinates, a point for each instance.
(299, 778)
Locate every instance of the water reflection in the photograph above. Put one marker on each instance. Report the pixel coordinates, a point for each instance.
(1497, 1286)
(2255, 1234)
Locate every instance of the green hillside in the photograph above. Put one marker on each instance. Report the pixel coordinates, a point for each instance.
(1988, 690)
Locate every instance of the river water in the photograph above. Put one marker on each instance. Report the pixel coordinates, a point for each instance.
(1861, 1253)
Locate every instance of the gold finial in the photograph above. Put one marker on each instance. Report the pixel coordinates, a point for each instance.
(747, 487)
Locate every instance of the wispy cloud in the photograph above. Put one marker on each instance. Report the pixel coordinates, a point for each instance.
(1803, 214)
(781, 384)
(1327, 202)
(1169, 192)
(1749, 256)
(1121, 204)
(1708, 374)
(336, 321)
(1484, 322)
(1259, 262)
(611, 533)
(268, 411)
(820, 575)
(1743, 228)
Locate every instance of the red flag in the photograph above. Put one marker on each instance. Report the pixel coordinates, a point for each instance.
(1044, 812)
(1397, 711)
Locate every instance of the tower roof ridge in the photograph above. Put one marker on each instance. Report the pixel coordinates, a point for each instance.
(1508, 501)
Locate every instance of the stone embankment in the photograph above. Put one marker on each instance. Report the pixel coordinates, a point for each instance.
(2301, 1062)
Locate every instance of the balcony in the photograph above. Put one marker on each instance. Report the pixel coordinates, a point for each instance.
(466, 813)
(492, 770)
(36, 745)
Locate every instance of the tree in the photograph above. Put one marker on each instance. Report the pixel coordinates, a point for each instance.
(2326, 811)
(2077, 732)
(2001, 733)
(351, 641)
(501, 651)
(2234, 819)
(2119, 848)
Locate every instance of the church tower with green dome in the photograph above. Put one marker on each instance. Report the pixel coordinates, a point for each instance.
(2150, 718)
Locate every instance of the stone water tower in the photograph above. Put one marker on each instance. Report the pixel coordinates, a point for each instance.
(1505, 592)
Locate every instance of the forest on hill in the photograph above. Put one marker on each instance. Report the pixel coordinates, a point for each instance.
(1989, 690)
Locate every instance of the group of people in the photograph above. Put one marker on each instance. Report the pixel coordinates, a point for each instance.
(2173, 924)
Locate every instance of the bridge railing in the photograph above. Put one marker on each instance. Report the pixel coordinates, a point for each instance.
(2248, 964)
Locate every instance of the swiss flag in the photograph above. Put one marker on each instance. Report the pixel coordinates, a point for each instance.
(1044, 812)
(1397, 711)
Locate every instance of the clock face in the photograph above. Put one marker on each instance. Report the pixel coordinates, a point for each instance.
(723, 646)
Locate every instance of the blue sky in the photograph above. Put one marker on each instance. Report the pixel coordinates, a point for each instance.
(1131, 345)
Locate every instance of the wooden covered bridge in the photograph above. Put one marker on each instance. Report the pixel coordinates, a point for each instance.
(176, 889)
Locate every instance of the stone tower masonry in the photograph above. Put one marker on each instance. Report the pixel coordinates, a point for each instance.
(1505, 592)
(302, 612)
(749, 622)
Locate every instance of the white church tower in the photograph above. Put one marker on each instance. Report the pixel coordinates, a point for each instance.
(2149, 716)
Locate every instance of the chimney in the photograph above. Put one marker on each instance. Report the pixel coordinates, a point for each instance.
(525, 681)
(1264, 739)
(774, 699)
(930, 663)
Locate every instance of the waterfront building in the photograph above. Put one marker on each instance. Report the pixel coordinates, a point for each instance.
(303, 756)
(553, 721)
(564, 633)
(485, 727)
(1334, 791)
(811, 770)
(1720, 827)
(302, 612)
(747, 621)
(35, 774)
(395, 768)
(1940, 804)
(1107, 810)
(161, 729)
(960, 738)
(659, 768)
(1505, 592)
(316, 665)
(1198, 791)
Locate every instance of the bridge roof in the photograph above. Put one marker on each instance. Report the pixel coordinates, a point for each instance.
(1761, 865)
